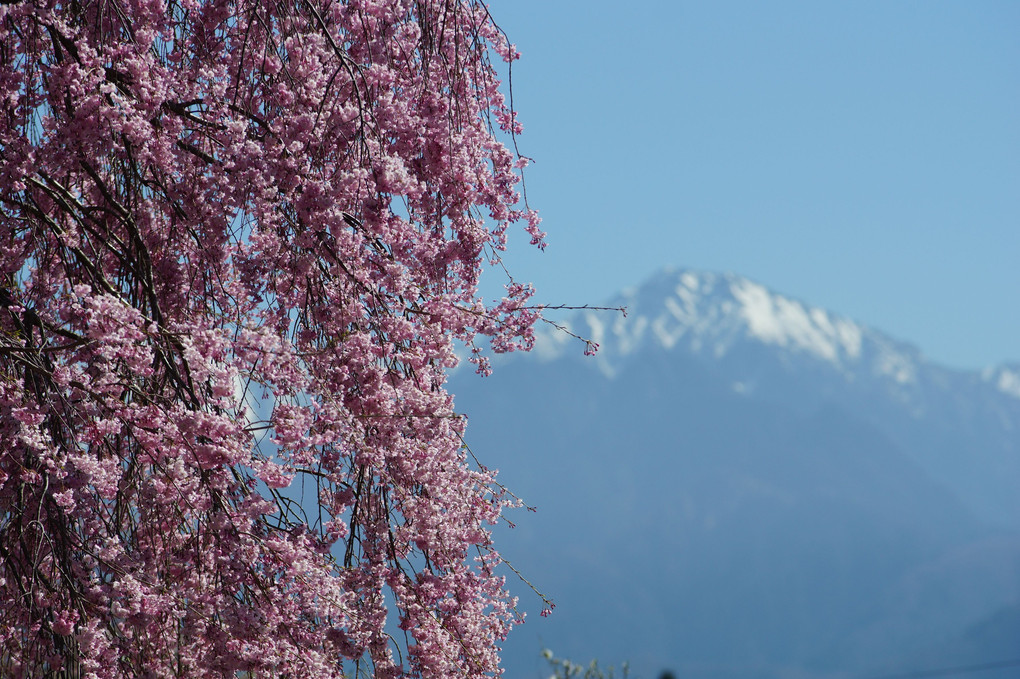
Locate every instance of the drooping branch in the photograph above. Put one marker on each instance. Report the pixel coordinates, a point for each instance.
(199, 204)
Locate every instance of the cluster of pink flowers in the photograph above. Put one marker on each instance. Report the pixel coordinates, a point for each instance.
(239, 242)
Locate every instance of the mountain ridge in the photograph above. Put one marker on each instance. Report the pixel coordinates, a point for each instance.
(741, 485)
(713, 311)
(766, 345)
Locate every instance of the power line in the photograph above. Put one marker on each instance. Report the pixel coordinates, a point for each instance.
(949, 671)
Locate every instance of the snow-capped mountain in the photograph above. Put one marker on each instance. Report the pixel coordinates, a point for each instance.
(777, 348)
(714, 315)
(742, 485)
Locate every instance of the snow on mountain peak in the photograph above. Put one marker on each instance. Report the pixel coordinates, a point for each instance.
(775, 319)
(710, 313)
(1005, 378)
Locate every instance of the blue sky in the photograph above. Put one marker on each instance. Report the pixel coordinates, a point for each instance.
(863, 156)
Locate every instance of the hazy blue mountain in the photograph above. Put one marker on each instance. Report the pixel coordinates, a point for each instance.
(740, 485)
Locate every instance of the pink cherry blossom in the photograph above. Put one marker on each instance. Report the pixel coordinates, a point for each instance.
(240, 242)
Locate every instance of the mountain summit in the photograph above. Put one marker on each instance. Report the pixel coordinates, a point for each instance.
(745, 485)
(961, 426)
(716, 314)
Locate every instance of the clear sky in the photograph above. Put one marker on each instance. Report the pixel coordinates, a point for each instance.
(860, 156)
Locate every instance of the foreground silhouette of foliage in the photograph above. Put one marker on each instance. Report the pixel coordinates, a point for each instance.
(210, 205)
(563, 668)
